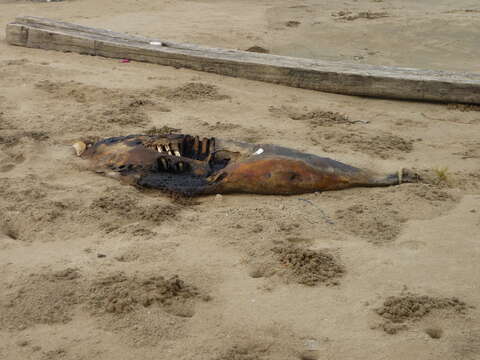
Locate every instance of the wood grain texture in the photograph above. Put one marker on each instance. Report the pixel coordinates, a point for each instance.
(335, 77)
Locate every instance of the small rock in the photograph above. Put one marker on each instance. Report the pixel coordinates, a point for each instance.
(101, 255)
(219, 197)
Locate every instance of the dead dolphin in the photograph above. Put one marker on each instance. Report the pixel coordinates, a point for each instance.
(191, 165)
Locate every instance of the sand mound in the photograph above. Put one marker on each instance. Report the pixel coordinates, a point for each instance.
(320, 117)
(120, 294)
(194, 91)
(164, 130)
(397, 310)
(42, 299)
(120, 303)
(310, 267)
(414, 307)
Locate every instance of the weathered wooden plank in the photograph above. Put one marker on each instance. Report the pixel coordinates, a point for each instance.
(336, 77)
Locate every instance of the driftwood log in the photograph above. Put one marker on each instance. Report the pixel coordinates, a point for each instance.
(335, 77)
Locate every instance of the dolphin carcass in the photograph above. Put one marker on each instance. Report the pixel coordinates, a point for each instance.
(191, 165)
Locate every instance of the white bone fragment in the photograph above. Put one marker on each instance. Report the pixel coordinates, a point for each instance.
(79, 147)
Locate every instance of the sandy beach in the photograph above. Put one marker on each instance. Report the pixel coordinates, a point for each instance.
(93, 269)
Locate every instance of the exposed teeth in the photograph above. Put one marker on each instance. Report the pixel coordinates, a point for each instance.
(159, 149)
(177, 153)
(164, 163)
(180, 166)
(204, 145)
(168, 149)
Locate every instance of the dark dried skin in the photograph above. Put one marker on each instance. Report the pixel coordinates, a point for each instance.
(193, 166)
